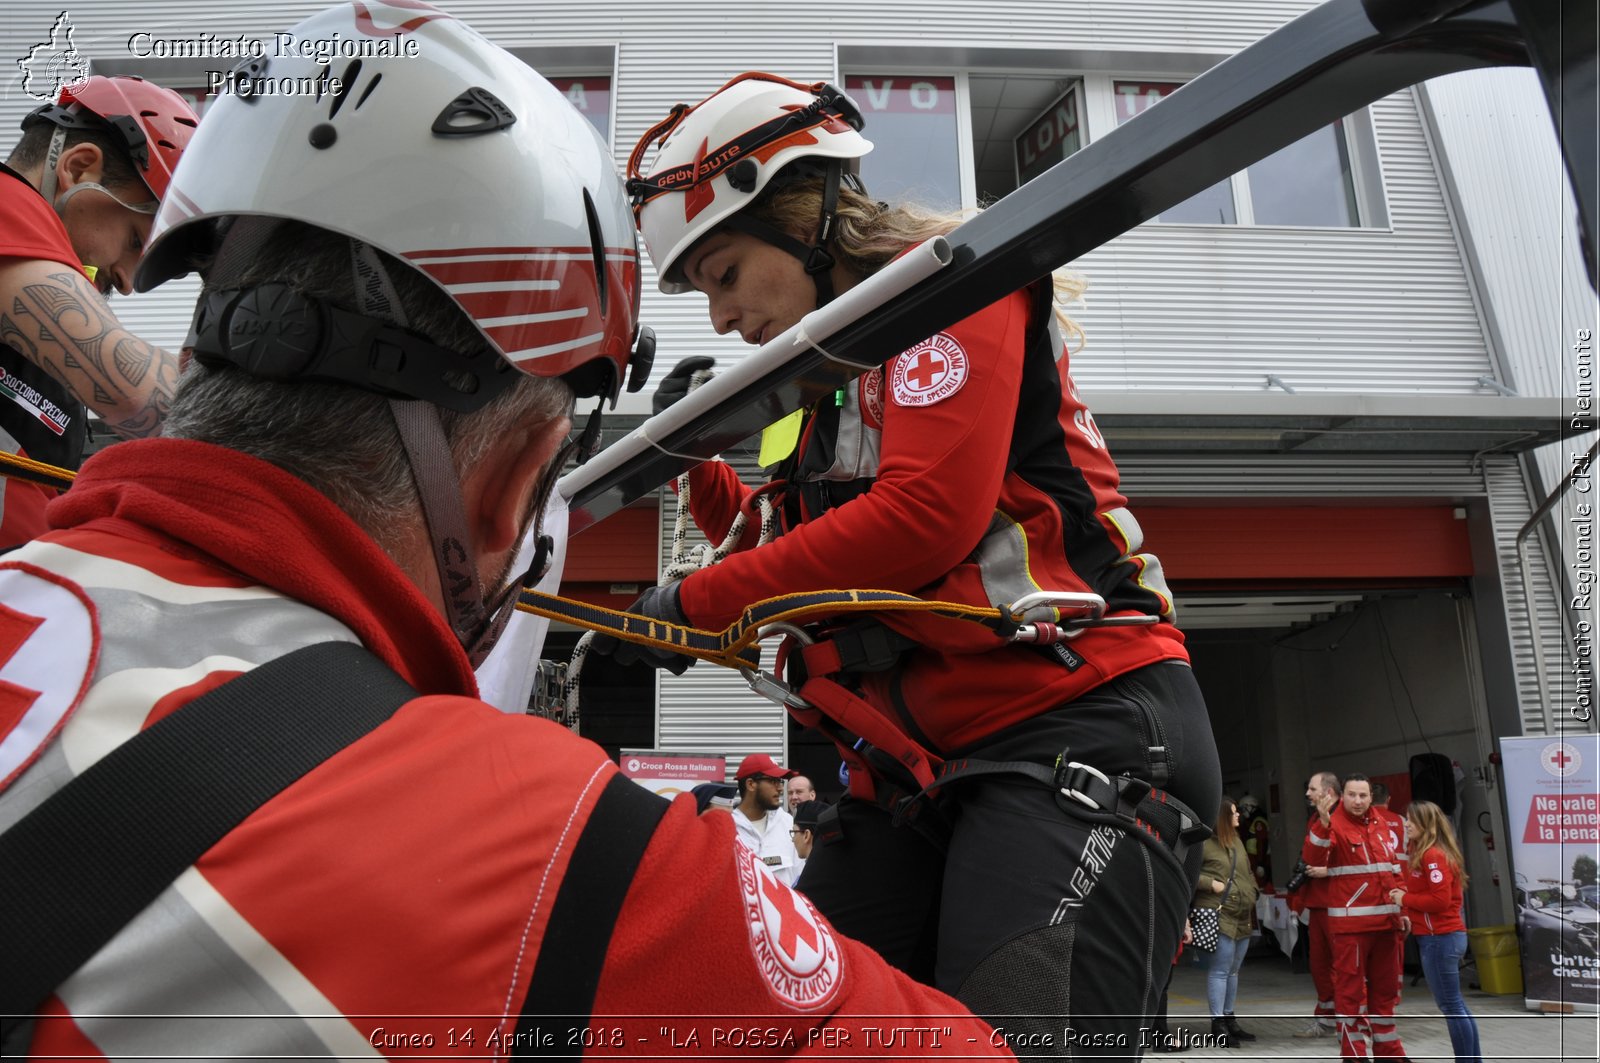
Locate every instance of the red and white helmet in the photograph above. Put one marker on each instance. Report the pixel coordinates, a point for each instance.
(154, 124)
(717, 156)
(421, 138)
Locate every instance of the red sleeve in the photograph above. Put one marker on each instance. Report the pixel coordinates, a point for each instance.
(29, 228)
(1318, 846)
(727, 961)
(1423, 893)
(939, 475)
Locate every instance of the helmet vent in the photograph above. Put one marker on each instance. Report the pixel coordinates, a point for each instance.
(598, 246)
(351, 73)
(475, 111)
(367, 91)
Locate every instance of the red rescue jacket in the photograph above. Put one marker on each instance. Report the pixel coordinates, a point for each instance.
(1433, 895)
(967, 470)
(1361, 872)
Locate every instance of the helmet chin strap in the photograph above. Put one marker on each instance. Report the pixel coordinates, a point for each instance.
(815, 257)
(434, 473)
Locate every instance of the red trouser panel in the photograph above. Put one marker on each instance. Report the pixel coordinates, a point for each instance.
(1366, 979)
(1321, 959)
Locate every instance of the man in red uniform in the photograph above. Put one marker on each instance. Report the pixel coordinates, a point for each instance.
(1311, 897)
(77, 197)
(1353, 845)
(401, 897)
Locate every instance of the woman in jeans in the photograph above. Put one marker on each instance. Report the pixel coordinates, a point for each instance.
(1227, 885)
(1431, 899)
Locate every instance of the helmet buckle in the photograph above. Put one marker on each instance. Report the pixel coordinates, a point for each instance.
(742, 175)
(818, 261)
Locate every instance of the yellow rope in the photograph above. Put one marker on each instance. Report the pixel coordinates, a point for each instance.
(15, 466)
(736, 645)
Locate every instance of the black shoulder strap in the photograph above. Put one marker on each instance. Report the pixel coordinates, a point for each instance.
(560, 1000)
(79, 867)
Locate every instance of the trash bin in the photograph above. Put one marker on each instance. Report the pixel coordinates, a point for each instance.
(1494, 950)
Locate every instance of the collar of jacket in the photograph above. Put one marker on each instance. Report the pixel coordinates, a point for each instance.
(275, 529)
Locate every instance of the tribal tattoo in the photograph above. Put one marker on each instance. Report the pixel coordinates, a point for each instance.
(66, 329)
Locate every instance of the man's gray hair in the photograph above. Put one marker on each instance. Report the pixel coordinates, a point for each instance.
(339, 439)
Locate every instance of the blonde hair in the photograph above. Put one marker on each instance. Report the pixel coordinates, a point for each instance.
(1431, 830)
(868, 235)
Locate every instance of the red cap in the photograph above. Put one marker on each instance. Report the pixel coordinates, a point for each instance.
(761, 764)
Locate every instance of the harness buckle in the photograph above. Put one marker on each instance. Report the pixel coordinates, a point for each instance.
(1075, 780)
(770, 686)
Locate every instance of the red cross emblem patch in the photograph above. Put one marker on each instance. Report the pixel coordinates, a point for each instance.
(49, 642)
(792, 946)
(1560, 759)
(930, 372)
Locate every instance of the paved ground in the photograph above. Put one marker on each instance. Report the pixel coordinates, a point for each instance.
(1273, 1002)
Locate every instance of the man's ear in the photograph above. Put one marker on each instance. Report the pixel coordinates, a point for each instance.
(499, 489)
(83, 161)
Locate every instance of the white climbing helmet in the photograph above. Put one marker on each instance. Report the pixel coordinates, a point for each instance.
(401, 127)
(719, 155)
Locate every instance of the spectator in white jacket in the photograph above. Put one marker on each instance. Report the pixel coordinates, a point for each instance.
(761, 822)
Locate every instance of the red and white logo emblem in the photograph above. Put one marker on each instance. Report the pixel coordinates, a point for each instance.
(49, 641)
(930, 372)
(872, 399)
(1436, 876)
(1560, 759)
(792, 946)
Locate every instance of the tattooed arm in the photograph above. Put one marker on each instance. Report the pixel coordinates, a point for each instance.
(57, 319)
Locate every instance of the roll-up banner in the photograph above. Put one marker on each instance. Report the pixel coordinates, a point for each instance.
(1553, 803)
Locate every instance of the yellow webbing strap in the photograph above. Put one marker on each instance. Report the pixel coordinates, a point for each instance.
(17, 467)
(735, 646)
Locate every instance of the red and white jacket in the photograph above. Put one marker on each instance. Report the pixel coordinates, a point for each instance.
(1433, 895)
(966, 470)
(392, 901)
(1395, 824)
(1360, 867)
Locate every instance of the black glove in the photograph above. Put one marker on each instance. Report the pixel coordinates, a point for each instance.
(660, 603)
(675, 385)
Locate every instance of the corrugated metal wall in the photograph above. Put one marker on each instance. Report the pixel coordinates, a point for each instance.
(1492, 131)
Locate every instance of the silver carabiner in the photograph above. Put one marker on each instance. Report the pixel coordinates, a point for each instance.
(1090, 608)
(768, 685)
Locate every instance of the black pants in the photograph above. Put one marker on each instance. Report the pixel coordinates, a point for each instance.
(1058, 931)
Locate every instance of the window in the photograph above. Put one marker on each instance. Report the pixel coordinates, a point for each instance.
(1054, 135)
(1215, 204)
(911, 121)
(969, 138)
(1309, 183)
